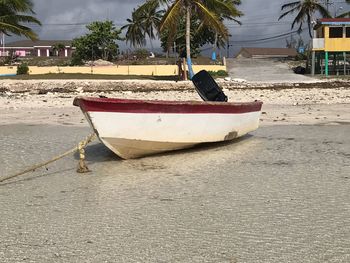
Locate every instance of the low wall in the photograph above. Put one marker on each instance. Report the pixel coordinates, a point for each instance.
(144, 70)
(8, 70)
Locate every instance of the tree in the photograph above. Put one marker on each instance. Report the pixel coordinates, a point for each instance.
(99, 43)
(150, 17)
(57, 48)
(13, 13)
(306, 10)
(200, 36)
(186, 8)
(135, 33)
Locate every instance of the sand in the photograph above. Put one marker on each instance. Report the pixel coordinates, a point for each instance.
(279, 194)
(50, 101)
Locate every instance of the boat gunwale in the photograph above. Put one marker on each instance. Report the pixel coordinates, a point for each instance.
(163, 106)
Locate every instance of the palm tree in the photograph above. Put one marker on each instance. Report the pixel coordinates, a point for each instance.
(57, 48)
(180, 8)
(134, 34)
(150, 17)
(306, 10)
(13, 13)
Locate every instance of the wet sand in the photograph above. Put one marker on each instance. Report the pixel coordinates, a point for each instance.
(280, 194)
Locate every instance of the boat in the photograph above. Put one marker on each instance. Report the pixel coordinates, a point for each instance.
(137, 128)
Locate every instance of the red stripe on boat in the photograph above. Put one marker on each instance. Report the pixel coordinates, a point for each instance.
(88, 104)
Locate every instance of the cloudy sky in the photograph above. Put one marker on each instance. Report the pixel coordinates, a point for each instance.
(66, 19)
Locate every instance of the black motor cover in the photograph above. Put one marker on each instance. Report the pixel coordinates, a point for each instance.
(207, 88)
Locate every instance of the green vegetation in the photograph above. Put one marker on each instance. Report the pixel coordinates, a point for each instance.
(57, 48)
(13, 13)
(174, 24)
(218, 74)
(22, 69)
(141, 53)
(98, 43)
(200, 36)
(76, 60)
(207, 14)
(144, 22)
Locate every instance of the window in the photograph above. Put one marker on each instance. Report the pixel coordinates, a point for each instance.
(348, 32)
(335, 32)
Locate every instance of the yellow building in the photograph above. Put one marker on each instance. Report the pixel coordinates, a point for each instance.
(330, 44)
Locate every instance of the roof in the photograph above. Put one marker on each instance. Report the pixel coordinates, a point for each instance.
(252, 51)
(38, 43)
(332, 21)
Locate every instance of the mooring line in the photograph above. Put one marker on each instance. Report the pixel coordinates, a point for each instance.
(82, 167)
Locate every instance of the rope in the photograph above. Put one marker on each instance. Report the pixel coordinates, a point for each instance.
(82, 168)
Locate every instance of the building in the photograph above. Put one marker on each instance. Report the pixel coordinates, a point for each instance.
(252, 52)
(40, 48)
(330, 45)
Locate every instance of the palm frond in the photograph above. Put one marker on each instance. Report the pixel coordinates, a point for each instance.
(24, 6)
(291, 5)
(13, 13)
(226, 8)
(289, 12)
(171, 16)
(20, 18)
(346, 14)
(18, 30)
(211, 19)
(323, 11)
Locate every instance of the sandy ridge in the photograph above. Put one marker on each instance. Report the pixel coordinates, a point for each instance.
(71, 86)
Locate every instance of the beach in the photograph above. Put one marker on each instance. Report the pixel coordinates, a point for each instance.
(279, 194)
(50, 101)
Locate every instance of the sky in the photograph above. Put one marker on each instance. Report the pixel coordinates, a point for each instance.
(66, 19)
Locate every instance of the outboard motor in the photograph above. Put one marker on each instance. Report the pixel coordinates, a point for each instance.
(207, 87)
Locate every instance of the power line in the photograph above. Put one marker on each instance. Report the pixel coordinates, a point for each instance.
(266, 38)
(74, 24)
(259, 23)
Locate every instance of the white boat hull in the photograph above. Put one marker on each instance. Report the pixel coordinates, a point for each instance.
(132, 135)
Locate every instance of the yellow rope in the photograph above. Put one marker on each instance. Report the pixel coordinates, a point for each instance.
(82, 166)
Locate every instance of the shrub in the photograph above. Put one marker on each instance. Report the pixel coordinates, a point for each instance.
(2, 61)
(76, 60)
(22, 69)
(301, 56)
(141, 53)
(219, 73)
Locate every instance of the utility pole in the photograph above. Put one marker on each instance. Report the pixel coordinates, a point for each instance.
(175, 53)
(92, 60)
(228, 49)
(328, 3)
(3, 43)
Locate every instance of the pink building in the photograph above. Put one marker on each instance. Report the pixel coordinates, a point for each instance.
(40, 48)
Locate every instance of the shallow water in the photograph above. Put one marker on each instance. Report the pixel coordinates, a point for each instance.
(280, 194)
